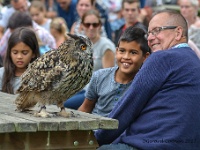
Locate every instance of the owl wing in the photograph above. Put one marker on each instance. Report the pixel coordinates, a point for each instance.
(44, 73)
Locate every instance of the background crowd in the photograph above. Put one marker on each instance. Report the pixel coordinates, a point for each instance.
(59, 17)
(103, 21)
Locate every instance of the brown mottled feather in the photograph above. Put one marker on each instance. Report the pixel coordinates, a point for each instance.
(56, 75)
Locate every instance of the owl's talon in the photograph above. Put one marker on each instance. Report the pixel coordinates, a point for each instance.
(43, 113)
(66, 115)
(63, 113)
(72, 114)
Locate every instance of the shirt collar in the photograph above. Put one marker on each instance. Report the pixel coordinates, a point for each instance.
(181, 45)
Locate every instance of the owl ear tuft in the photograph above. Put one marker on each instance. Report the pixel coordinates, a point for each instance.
(73, 36)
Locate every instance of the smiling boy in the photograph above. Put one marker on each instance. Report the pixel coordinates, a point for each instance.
(108, 85)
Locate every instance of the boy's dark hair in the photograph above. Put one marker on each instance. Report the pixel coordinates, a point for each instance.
(138, 35)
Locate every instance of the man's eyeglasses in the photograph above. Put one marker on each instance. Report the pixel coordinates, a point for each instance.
(157, 30)
(87, 25)
(185, 6)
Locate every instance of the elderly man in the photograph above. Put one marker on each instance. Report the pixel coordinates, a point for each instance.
(160, 110)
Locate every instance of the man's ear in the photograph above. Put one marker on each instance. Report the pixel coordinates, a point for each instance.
(146, 56)
(179, 33)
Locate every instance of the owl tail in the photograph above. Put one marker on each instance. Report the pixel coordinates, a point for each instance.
(25, 100)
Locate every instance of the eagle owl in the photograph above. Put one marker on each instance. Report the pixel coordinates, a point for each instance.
(56, 75)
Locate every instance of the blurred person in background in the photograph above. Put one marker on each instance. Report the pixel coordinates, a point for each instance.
(67, 10)
(130, 12)
(8, 10)
(189, 9)
(37, 11)
(82, 7)
(103, 48)
(20, 19)
(103, 51)
(51, 7)
(59, 30)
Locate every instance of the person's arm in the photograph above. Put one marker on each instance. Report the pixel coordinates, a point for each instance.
(91, 95)
(194, 47)
(45, 36)
(4, 42)
(51, 13)
(3, 23)
(1, 32)
(108, 59)
(72, 28)
(1, 77)
(87, 105)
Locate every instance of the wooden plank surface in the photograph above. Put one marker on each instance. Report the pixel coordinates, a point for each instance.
(14, 121)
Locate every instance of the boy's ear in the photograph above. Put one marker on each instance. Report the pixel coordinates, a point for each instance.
(146, 55)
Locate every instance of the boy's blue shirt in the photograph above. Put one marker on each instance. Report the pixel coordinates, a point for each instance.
(105, 90)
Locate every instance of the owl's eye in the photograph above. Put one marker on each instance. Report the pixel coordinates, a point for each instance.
(83, 47)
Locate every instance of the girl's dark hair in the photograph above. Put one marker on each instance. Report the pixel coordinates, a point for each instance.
(1, 62)
(28, 37)
(138, 35)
